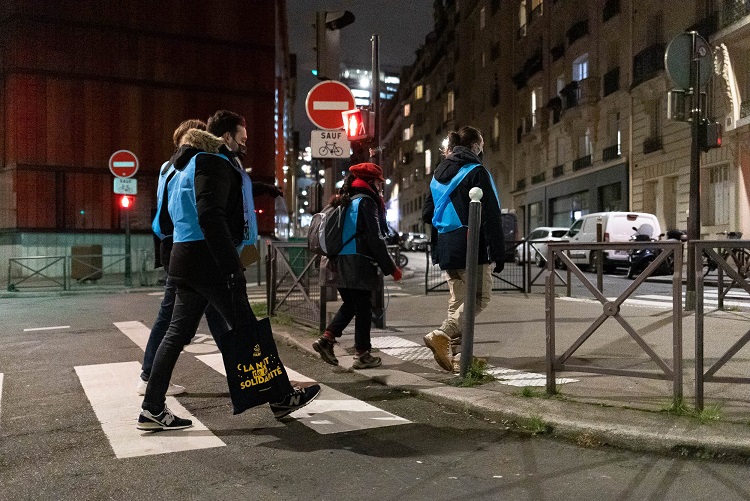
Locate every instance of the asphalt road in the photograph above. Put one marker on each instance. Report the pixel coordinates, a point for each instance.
(377, 444)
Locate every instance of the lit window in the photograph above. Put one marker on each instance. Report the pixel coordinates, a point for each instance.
(482, 18)
(419, 146)
(407, 133)
(428, 162)
(418, 92)
(407, 110)
(581, 67)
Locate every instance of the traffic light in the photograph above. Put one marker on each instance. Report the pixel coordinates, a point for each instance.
(327, 26)
(359, 124)
(709, 135)
(127, 202)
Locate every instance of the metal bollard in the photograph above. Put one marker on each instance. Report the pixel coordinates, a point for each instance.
(599, 256)
(472, 268)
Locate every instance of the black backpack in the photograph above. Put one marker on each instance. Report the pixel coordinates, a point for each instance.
(326, 235)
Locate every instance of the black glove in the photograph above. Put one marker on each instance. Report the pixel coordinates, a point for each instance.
(499, 266)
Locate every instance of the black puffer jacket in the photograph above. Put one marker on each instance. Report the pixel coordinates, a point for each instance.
(449, 249)
(360, 270)
(221, 216)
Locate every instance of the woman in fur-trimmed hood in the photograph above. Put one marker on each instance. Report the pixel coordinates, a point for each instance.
(206, 255)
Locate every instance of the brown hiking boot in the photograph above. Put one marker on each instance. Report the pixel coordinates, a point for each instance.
(440, 344)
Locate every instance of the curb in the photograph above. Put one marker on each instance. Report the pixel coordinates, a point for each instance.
(585, 424)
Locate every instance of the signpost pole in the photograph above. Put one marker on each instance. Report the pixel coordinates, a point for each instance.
(694, 206)
(128, 262)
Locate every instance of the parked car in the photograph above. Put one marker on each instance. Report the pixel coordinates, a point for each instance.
(535, 245)
(616, 227)
(393, 237)
(415, 241)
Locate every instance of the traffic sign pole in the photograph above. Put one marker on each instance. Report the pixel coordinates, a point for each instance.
(694, 206)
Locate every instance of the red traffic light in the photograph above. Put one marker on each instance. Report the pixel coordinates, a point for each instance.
(354, 125)
(127, 201)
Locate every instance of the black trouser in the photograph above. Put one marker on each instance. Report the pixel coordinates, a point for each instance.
(356, 302)
(190, 303)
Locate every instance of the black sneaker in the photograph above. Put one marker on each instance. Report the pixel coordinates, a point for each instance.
(163, 421)
(324, 347)
(297, 399)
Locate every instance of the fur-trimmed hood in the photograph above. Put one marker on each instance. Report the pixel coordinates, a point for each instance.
(194, 142)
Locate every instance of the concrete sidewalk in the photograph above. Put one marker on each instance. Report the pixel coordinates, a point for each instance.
(590, 408)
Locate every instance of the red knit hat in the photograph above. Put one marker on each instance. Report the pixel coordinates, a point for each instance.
(367, 171)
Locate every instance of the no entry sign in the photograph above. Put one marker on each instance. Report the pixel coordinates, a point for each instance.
(326, 101)
(123, 163)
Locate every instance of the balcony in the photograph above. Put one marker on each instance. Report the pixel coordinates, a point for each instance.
(648, 63)
(611, 152)
(582, 162)
(538, 178)
(651, 144)
(733, 11)
(611, 81)
(611, 9)
(557, 51)
(577, 31)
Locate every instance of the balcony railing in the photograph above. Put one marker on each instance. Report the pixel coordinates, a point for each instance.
(582, 162)
(648, 63)
(557, 51)
(577, 31)
(611, 81)
(651, 144)
(558, 170)
(732, 11)
(611, 152)
(537, 178)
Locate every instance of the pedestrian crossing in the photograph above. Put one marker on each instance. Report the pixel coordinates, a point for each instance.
(410, 351)
(734, 299)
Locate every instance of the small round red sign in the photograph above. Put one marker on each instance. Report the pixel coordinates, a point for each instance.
(123, 163)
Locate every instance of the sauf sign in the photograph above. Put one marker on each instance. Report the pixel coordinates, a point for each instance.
(329, 144)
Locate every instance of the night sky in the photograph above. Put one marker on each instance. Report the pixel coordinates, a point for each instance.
(401, 24)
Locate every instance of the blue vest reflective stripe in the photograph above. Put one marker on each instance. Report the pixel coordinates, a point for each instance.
(181, 203)
(445, 219)
(166, 176)
(350, 227)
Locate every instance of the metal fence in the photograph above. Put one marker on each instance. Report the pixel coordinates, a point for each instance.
(512, 278)
(611, 312)
(79, 271)
(732, 259)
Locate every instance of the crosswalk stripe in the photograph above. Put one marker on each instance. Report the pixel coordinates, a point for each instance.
(136, 331)
(412, 352)
(332, 411)
(116, 410)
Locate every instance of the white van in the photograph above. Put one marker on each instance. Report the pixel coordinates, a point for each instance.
(617, 227)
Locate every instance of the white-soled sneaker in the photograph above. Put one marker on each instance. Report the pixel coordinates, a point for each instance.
(174, 389)
(162, 421)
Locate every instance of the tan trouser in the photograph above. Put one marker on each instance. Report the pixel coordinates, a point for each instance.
(457, 286)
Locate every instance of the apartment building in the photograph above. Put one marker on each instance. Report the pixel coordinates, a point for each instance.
(572, 99)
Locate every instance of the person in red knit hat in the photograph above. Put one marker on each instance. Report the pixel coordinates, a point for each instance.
(354, 272)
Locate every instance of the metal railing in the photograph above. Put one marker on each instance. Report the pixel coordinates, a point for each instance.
(611, 310)
(72, 272)
(725, 254)
(512, 278)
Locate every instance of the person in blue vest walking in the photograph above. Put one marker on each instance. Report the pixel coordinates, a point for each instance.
(163, 227)
(211, 212)
(446, 208)
(354, 272)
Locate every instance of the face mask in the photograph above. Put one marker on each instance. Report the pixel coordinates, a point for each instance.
(241, 152)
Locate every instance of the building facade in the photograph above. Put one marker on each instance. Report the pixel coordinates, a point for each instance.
(83, 79)
(572, 100)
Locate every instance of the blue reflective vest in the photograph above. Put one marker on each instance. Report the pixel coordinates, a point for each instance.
(166, 178)
(181, 203)
(350, 227)
(445, 219)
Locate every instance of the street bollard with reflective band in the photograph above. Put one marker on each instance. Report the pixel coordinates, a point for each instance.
(472, 269)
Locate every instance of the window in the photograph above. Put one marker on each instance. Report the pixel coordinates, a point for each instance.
(610, 198)
(419, 146)
(407, 134)
(560, 153)
(482, 18)
(496, 128)
(450, 106)
(560, 83)
(536, 102)
(407, 110)
(427, 93)
(536, 216)
(585, 147)
(581, 67)
(522, 19)
(715, 195)
(418, 92)
(567, 209)
(428, 162)
(654, 115)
